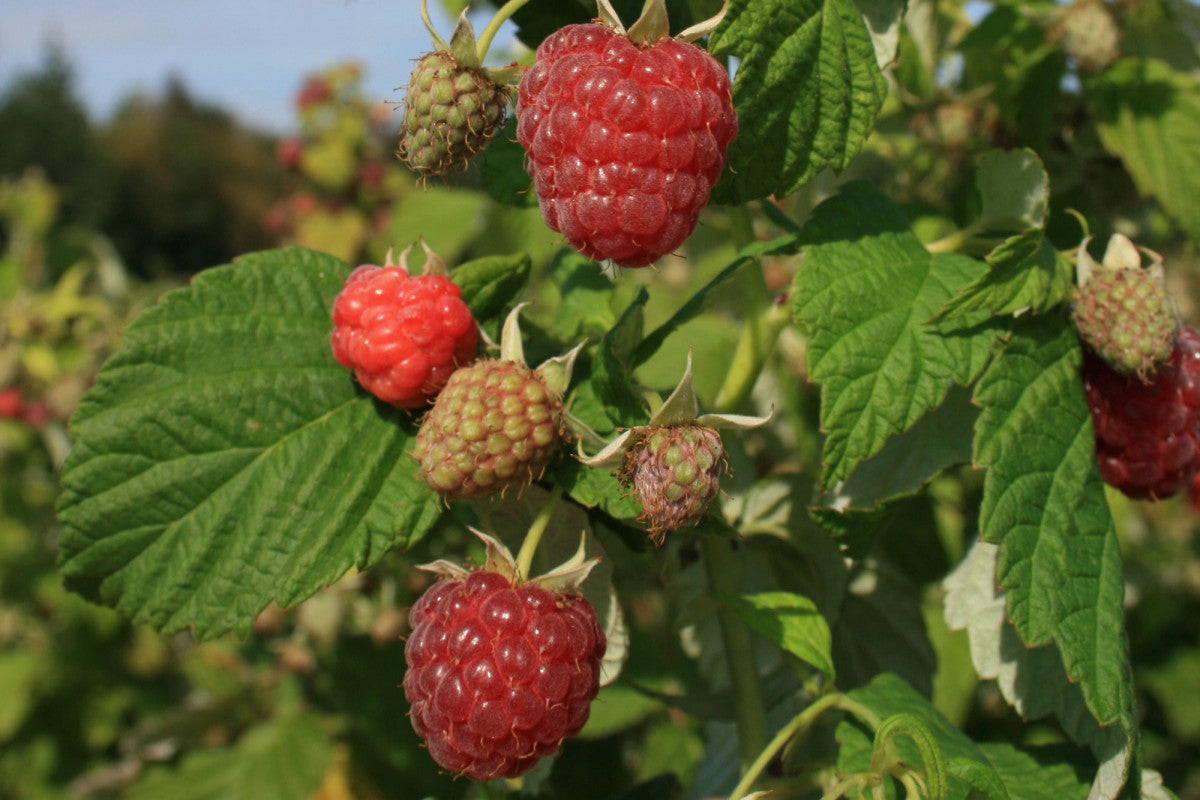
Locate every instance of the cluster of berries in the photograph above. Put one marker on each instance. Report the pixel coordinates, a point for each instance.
(625, 134)
(1141, 374)
(625, 131)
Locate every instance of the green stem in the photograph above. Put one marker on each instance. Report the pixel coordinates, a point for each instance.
(868, 717)
(763, 321)
(800, 723)
(842, 787)
(534, 534)
(952, 243)
(484, 40)
(750, 715)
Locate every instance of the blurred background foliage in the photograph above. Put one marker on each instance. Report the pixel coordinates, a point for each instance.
(99, 218)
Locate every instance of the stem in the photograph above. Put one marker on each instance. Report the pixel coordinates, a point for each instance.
(801, 722)
(754, 345)
(868, 717)
(484, 40)
(951, 242)
(841, 787)
(749, 713)
(534, 534)
(764, 321)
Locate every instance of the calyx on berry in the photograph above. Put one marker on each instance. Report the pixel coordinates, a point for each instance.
(653, 26)
(674, 462)
(568, 576)
(1122, 309)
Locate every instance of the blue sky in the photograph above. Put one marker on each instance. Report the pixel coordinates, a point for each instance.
(249, 56)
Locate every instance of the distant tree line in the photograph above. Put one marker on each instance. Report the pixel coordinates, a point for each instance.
(175, 184)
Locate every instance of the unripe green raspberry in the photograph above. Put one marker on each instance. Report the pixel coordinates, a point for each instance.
(1088, 33)
(675, 471)
(1126, 317)
(495, 425)
(451, 112)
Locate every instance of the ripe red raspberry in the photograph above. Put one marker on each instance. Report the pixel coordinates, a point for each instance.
(1147, 434)
(402, 335)
(499, 672)
(12, 403)
(624, 141)
(1194, 493)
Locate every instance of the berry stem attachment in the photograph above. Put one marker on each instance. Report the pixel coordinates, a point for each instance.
(484, 40)
(799, 724)
(534, 535)
(723, 567)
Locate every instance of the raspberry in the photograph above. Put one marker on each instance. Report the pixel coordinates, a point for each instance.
(499, 672)
(1147, 434)
(624, 140)
(676, 472)
(1126, 316)
(12, 403)
(1088, 33)
(495, 425)
(402, 335)
(1194, 493)
(451, 112)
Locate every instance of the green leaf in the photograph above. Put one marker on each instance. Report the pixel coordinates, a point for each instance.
(447, 219)
(618, 708)
(1031, 679)
(1149, 117)
(586, 296)
(224, 459)
(491, 284)
(502, 169)
(594, 487)
(1014, 190)
(857, 530)
(1175, 684)
(940, 439)
(880, 629)
(699, 302)
(1036, 774)
(864, 294)
(809, 82)
(21, 674)
(612, 366)
(279, 760)
(789, 621)
(1025, 273)
(1044, 505)
(887, 696)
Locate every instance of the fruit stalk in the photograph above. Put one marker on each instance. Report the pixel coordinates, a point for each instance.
(724, 577)
(799, 724)
(764, 321)
(484, 41)
(534, 535)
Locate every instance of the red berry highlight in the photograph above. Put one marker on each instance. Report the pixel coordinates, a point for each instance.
(402, 335)
(1147, 434)
(498, 675)
(624, 144)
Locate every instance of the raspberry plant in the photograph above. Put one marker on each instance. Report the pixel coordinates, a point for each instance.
(899, 378)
